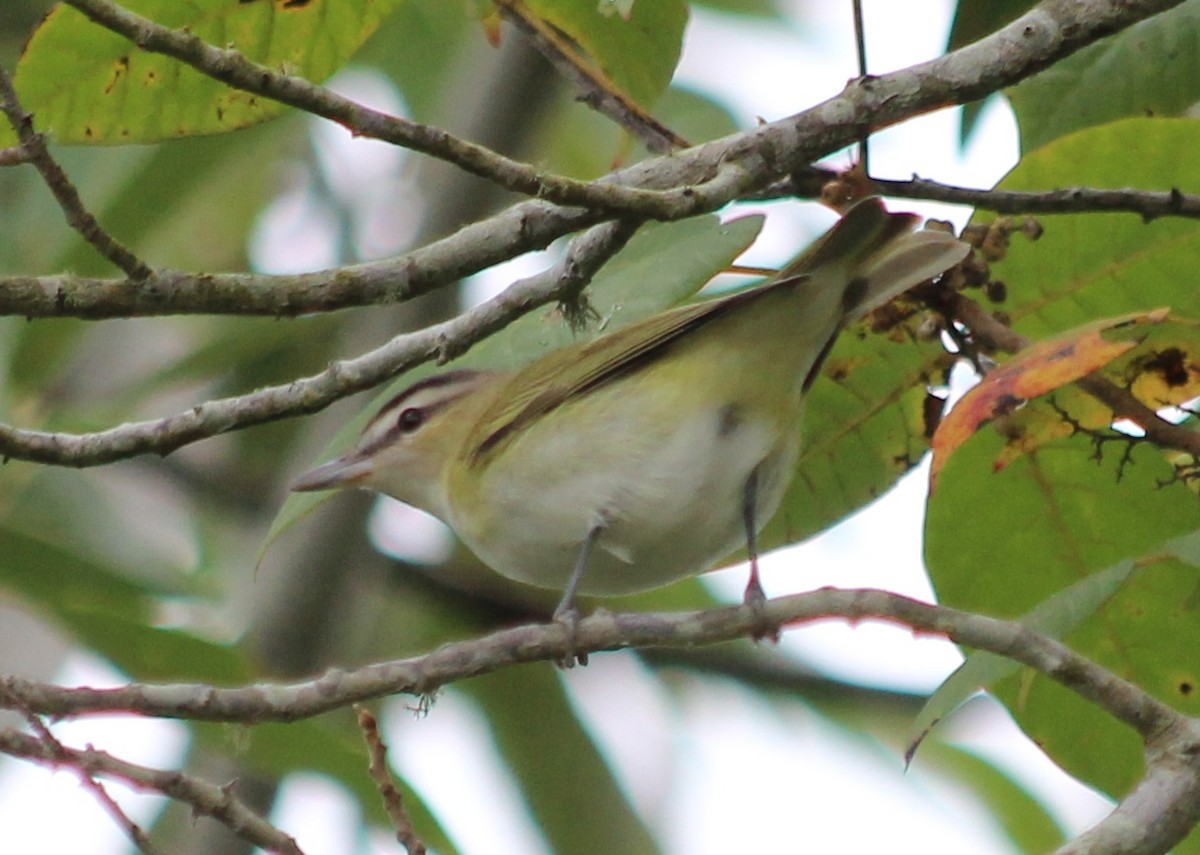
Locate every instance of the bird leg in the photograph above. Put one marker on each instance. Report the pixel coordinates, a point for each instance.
(566, 612)
(754, 596)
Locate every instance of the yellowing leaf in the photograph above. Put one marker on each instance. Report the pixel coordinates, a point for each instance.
(1041, 368)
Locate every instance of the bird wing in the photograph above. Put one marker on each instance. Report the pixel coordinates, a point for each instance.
(571, 372)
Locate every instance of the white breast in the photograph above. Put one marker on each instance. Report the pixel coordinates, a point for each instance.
(666, 492)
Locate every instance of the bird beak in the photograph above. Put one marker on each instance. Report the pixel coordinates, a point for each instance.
(347, 471)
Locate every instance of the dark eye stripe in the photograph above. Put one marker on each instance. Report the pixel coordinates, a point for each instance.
(436, 382)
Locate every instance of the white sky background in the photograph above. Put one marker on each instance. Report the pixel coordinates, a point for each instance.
(714, 770)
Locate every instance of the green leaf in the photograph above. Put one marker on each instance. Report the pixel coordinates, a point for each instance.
(639, 55)
(1002, 542)
(1089, 266)
(1054, 617)
(660, 266)
(86, 84)
(863, 429)
(570, 790)
(1149, 69)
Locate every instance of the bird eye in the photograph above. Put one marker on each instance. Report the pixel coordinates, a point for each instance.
(410, 419)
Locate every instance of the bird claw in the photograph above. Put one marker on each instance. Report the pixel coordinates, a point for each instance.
(756, 599)
(569, 619)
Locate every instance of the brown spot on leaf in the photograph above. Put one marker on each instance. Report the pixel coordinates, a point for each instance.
(1171, 365)
(120, 69)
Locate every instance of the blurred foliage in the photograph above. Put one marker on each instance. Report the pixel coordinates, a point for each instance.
(150, 564)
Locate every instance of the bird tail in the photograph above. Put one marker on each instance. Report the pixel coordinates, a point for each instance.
(881, 254)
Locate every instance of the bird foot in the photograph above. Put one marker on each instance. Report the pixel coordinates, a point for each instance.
(756, 599)
(569, 618)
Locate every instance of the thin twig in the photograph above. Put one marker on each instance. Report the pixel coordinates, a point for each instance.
(393, 800)
(860, 45)
(598, 91)
(78, 217)
(60, 755)
(202, 797)
(14, 155)
(1149, 204)
(310, 394)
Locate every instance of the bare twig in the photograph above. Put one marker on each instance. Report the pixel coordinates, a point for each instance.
(78, 217)
(598, 91)
(442, 341)
(60, 755)
(203, 798)
(393, 801)
(1150, 204)
(775, 152)
(14, 155)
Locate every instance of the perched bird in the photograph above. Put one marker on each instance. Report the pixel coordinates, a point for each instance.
(646, 455)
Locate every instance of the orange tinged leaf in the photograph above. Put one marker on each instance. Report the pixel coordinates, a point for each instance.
(1039, 369)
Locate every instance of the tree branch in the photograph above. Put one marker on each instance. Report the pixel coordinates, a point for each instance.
(232, 68)
(377, 767)
(33, 149)
(777, 151)
(1161, 809)
(1150, 204)
(204, 798)
(305, 395)
(522, 228)
(601, 631)
(597, 90)
(708, 176)
(60, 755)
